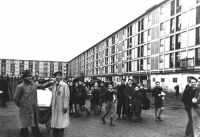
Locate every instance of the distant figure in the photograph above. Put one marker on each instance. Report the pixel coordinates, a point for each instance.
(177, 90)
(158, 101)
(110, 98)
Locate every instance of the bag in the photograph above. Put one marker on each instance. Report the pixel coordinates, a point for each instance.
(146, 103)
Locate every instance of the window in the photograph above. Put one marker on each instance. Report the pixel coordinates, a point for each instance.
(172, 25)
(141, 64)
(172, 7)
(171, 60)
(113, 49)
(142, 24)
(178, 41)
(162, 27)
(129, 43)
(142, 51)
(112, 59)
(148, 60)
(129, 30)
(178, 6)
(197, 56)
(162, 44)
(148, 49)
(162, 80)
(178, 23)
(113, 39)
(198, 15)
(106, 70)
(128, 68)
(161, 59)
(198, 35)
(172, 43)
(106, 61)
(138, 26)
(177, 59)
(175, 80)
(106, 52)
(107, 43)
(138, 53)
(154, 79)
(112, 69)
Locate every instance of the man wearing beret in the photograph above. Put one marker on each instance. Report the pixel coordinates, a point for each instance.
(60, 106)
(26, 99)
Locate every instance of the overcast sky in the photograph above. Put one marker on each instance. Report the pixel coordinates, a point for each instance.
(61, 29)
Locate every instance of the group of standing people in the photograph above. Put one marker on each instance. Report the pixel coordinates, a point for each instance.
(124, 99)
(26, 99)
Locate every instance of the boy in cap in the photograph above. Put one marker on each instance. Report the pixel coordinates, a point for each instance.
(158, 101)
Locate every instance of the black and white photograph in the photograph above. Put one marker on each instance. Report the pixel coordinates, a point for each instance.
(100, 68)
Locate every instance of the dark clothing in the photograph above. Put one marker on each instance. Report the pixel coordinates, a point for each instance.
(158, 102)
(77, 95)
(121, 100)
(102, 94)
(96, 96)
(188, 94)
(83, 95)
(177, 90)
(109, 96)
(129, 91)
(58, 132)
(137, 103)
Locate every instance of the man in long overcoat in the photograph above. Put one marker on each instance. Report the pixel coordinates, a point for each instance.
(26, 99)
(60, 106)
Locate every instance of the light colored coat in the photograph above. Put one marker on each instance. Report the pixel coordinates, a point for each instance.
(60, 100)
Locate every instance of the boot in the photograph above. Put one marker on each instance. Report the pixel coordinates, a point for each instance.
(24, 132)
(36, 132)
(103, 120)
(111, 122)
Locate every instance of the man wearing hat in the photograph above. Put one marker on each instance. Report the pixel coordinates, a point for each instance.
(60, 106)
(26, 99)
(158, 101)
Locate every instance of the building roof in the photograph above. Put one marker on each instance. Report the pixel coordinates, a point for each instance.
(146, 12)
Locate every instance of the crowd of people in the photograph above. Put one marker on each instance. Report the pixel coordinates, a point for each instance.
(77, 99)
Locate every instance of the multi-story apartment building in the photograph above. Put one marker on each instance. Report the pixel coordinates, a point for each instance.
(163, 44)
(13, 67)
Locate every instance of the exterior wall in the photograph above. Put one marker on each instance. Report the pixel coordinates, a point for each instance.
(164, 39)
(11, 67)
(168, 82)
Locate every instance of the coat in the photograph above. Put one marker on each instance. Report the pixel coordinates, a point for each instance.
(26, 99)
(60, 100)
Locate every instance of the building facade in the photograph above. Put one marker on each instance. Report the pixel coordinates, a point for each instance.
(14, 68)
(163, 44)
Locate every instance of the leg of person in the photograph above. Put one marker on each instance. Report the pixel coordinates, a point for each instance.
(36, 128)
(108, 108)
(119, 108)
(112, 110)
(156, 113)
(24, 132)
(55, 132)
(123, 110)
(189, 128)
(35, 132)
(160, 113)
(61, 134)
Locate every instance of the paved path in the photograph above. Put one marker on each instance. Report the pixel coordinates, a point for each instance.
(172, 126)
